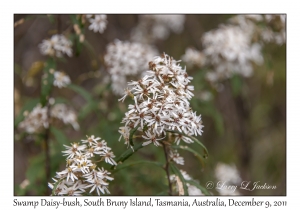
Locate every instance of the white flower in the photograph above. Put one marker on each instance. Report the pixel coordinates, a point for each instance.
(227, 173)
(229, 50)
(193, 190)
(65, 114)
(98, 23)
(61, 79)
(161, 103)
(75, 189)
(152, 27)
(109, 158)
(151, 139)
(125, 59)
(91, 140)
(56, 46)
(80, 175)
(193, 57)
(174, 155)
(69, 173)
(95, 178)
(36, 120)
(73, 150)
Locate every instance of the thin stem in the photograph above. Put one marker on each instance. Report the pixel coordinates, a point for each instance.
(167, 168)
(47, 149)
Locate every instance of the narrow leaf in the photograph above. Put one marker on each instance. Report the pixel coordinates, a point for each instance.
(199, 156)
(85, 94)
(194, 139)
(178, 173)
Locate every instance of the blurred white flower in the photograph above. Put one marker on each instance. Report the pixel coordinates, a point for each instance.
(37, 119)
(229, 50)
(98, 23)
(193, 57)
(61, 79)
(57, 45)
(174, 155)
(65, 114)
(124, 60)
(152, 27)
(192, 189)
(228, 174)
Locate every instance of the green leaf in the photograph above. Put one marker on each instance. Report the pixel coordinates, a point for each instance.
(199, 156)
(194, 139)
(85, 94)
(178, 173)
(128, 153)
(47, 81)
(29, 105)
(121, 167)
(61, 100)
(59, 136)
(86, 109)
(236, 84)
(196, 184)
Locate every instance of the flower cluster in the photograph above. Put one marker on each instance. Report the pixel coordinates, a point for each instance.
(272, 27)
(161, 103)
(57, 45)
(230, 175)
(125, 59)
(192, 189)
(82, 175)
(98, 23)
(152, 27)
(229, 50)
(37, 119)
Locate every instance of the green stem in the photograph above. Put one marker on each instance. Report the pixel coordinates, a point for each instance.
(167, 168)
(128, 153)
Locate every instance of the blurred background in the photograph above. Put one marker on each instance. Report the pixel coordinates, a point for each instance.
(244, 117)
